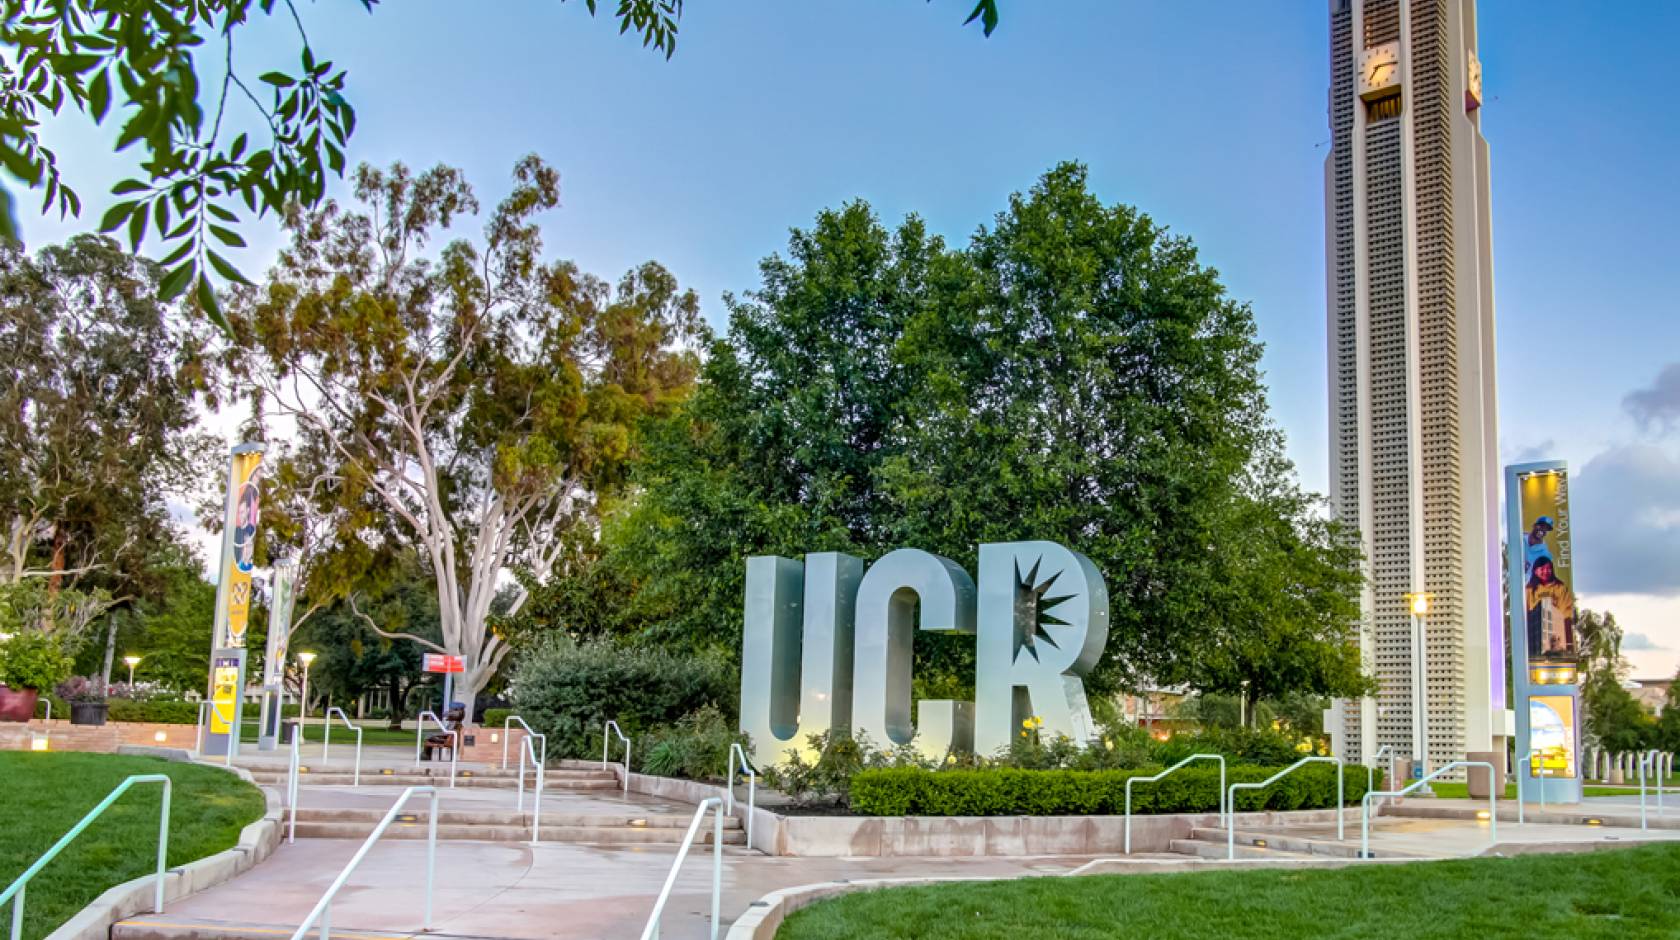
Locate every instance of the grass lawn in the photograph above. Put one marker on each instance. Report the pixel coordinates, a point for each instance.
(1625, 894)
(372, 733)
(1460, 791)
(43, 795)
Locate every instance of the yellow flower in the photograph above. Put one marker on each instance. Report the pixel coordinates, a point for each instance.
(1026, 722)
(1023, 734)
(1108, 744)
(950, 758)
(1037, 721)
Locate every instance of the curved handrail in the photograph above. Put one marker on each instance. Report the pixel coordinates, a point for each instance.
(651, 931)
(606, 744)
(326, 739)
(508, 726)
(420, 734)
(752, 786)
(1231, 798)
(1493, 807)
(1224, 809)
(198, 739)
(526, 747)
(1370, 769)
(323, 908)
(292, 787)
(1523, 778)
(15, 891)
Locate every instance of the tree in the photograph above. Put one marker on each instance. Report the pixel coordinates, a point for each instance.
(1073, 374)
(474, 408)
(1613, 717)
(98, 419)
(1668, 723)
(198, 167)
(168, 625)
(354, 658)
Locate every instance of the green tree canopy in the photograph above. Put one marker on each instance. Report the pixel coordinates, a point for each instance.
(98, 421)
(1073, 374)
(472, 408)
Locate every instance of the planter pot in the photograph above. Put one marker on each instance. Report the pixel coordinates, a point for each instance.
(87, 713)
(17, 704)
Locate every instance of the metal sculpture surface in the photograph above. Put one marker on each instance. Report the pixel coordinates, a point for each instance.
(827, 645)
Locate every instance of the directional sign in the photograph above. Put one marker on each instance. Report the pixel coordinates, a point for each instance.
(439, 662)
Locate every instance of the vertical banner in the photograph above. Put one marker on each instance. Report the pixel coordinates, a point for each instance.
(1545, 649)
(239, 536)
(279, 622)
(1548, 582)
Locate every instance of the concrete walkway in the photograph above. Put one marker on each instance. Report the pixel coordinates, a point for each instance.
(549, 892)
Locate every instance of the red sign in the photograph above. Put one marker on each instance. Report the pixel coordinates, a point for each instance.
(438, 662)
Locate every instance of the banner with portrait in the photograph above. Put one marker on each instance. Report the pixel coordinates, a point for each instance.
(1551, 736)
(1547, 579)
(239, 537)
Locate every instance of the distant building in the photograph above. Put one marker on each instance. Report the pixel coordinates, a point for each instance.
(1651, 693)
(1411, 379)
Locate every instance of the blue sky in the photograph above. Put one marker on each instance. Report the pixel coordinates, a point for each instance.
(1209, 116)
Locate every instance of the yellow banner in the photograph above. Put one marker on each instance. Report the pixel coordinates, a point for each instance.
(244, 508)
(224, 690)
(1548, 568)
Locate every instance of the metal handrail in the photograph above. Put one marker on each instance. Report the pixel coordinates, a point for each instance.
(1493, 806)
(292, 787)
(198, 739)
(606, 744)
(1521, 777)
(1231, 798)
(1224, 814)
(420, 735)
(651, 931)
(1653, 758)
(752, 786)
(526, 747)
(326, 738)
(1370, 769)
(15, 891)
(323, 908)
(508, 726)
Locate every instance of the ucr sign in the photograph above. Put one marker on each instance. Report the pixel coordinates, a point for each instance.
(829, 645)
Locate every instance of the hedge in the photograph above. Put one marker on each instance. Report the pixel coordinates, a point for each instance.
(1004, 791)
(155, 712)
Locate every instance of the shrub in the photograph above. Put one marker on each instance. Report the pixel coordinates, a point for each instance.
(81, 690)
(32, 660)
(840, 758)
(495, 717)
(153, 711)
(569, 690)
(1008, 791)
(696, 747)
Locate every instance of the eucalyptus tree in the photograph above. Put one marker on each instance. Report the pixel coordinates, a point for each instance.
(473, 406)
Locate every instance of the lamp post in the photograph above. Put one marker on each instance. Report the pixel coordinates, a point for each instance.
(306, 657)
(132, 661)
(1419, 603)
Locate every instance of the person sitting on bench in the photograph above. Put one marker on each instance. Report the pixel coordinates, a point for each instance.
(445, 741)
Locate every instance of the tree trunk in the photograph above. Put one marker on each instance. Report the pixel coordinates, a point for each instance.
(110, 648)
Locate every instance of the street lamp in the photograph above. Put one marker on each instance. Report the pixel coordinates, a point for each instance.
(1419, 604)
(132, 661)
(305, 657)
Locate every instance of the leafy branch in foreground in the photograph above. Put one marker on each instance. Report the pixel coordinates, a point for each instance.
(139, 58)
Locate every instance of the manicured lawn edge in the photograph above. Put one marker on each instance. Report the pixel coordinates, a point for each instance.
(256, 842)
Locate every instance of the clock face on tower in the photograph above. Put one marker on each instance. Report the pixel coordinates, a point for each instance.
(1473, 83)
(1379, 71)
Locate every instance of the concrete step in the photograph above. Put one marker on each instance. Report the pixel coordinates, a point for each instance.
(1198, 848)
(1294, 843)
(170, 927)
(596, 835)
(446, 817)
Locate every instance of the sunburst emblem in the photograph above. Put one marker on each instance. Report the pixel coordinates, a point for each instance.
(1033, 603)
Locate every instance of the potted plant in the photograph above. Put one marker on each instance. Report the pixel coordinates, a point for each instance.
(29, 662)
(86, 696)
